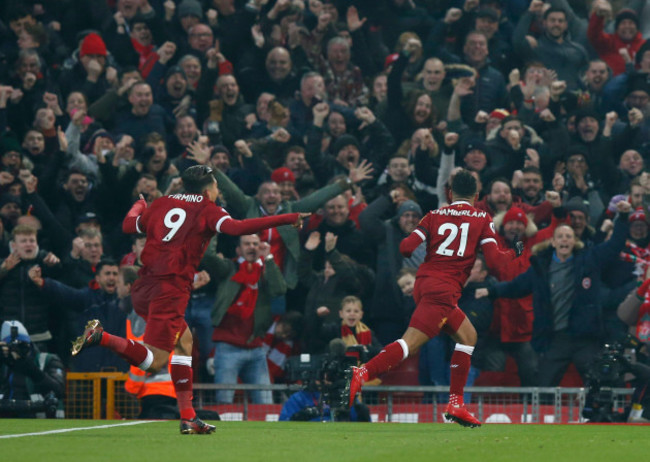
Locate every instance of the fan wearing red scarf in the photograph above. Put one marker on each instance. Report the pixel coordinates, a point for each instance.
(178, 229)
(242, 315)
(355, 332)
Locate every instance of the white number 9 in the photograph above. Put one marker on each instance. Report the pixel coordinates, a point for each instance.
(174, 220)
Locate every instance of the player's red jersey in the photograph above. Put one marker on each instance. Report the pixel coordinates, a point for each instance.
(454, 235)
(179, 228)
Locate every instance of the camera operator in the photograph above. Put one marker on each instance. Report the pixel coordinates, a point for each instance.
(324, 382)
(31, 383)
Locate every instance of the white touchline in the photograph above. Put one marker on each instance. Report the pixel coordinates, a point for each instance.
(65, 430)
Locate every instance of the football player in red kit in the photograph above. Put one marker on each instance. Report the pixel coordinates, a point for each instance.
(178, 228)
(453, 236)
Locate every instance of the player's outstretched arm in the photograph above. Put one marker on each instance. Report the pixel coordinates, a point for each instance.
(495, 257)
(129, 225)
(410, 243)
(255, 225)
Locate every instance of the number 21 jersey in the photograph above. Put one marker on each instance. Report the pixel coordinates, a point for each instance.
(454, 235)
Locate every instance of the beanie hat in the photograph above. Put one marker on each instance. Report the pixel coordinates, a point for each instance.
(7, 198)
(87, 218)
(175, 70)
(9, 144)
(611, 207)
(282, 174)
(626, 13)
(637, 215)
(487, 12)
(409, 206)
(99, 133)
(515, 214)
(577, 204)
(499, 114)
(638, 82)
(476, 144)
(584, 112)
(5, 332)
(343, 141)
(92, 45)
(190, 8)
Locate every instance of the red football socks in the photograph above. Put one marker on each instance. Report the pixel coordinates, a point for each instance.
(181, 372)
(461, 360)
(133, 352)
(390, 356)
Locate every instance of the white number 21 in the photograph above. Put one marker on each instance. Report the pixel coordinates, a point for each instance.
(453, 232)
(174, 220)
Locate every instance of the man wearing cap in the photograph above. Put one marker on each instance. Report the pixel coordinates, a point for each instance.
(626, 35)
(286, 182)
(88, 75)
(173, 95)
(579, 219)
(31, 382)
(10, 209)
(189, 13)
(385, 236)
(579, 182)
(475, 160)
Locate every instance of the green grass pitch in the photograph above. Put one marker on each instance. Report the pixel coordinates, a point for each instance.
(289, 441)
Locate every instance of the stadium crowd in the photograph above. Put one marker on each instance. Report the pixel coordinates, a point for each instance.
(356, 111)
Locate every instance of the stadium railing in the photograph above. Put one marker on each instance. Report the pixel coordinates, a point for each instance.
(102, 396)
(420, 404)
(99, 395)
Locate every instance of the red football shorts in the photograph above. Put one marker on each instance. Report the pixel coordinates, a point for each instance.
(162, 304)
(436, 308)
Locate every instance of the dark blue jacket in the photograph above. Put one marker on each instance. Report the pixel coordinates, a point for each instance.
(91, 304)
(585, 317)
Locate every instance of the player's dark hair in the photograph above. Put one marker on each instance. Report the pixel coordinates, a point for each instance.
(463, 184)
(197, 179)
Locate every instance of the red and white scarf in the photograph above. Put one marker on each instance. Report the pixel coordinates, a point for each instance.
(277, 352)
(248, 276)
(361, 335)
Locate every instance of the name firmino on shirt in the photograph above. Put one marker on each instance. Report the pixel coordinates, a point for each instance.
(188, 197)
(460, 213)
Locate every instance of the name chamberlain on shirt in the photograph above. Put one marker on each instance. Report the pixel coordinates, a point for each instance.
(460, 213)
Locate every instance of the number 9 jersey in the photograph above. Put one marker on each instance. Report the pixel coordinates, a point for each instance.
(453, 235)
(178, 228)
